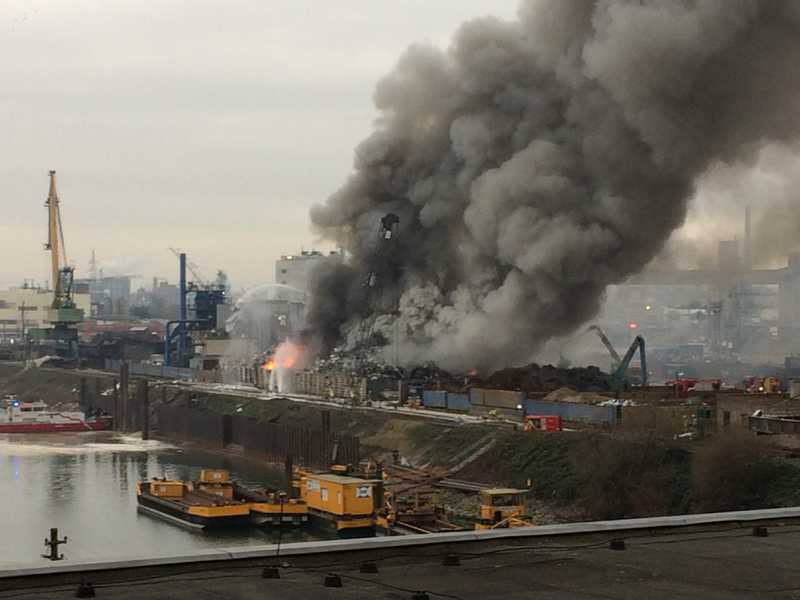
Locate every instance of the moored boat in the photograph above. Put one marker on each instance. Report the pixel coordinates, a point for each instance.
(36, 417)
(182, 503)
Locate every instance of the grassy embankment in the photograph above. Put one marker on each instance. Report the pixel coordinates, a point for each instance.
(597, 476)
(576, 475)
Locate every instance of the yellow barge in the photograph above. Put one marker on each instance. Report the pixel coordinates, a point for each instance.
(178, 502)
(216, 501)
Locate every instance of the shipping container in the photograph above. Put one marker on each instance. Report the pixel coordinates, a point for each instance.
(434, 399)
(582, 413)
(338, 494)
(496, 398)
(166, 489)
(459, 402)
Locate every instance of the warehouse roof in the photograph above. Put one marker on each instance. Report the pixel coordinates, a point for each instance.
(341, 479)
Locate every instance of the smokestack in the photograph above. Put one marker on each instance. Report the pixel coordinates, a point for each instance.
(748, 256)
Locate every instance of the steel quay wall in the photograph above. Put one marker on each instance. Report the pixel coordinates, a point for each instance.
(275, 442)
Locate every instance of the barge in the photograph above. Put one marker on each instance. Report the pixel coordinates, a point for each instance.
(332, 500)
(180, 503)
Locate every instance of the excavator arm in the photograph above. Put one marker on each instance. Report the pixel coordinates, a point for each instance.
(603, 338)
(619, 374)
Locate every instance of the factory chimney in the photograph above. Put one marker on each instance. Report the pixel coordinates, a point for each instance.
(748, 257)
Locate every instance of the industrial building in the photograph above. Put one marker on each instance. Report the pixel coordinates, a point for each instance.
(110, 296)
(295, 270)
(162, 301)
(270, 313)
(731, 311)
(25, 308)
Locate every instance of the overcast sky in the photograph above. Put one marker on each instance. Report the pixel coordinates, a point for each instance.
(209, 126)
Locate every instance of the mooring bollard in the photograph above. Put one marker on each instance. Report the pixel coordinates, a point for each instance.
(54, 543)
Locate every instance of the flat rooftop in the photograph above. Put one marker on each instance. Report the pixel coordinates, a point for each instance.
(340, 479)
(712, 560)
(503, 491)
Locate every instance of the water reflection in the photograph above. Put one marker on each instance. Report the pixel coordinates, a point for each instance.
(84, 484)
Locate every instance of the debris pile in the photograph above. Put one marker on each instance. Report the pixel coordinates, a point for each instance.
(548, 378)
(570, 396)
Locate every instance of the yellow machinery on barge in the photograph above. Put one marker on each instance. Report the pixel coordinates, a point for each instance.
(411, 503)
(502, 508)
(267, 507)
(341, 501)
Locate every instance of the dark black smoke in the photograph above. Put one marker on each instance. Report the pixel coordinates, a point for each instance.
(535, 162)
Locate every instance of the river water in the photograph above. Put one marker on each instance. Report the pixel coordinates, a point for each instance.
(85, 484)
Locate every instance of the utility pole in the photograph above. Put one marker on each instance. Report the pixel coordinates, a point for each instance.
(23, 309)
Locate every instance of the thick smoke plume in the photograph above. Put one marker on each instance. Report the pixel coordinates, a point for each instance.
(535, 162)
(771, 187)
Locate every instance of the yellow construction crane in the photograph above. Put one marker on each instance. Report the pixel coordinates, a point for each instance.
(64, 309)
(61, 337)
(55, 233)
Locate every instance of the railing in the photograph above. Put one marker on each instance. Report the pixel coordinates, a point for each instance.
(774, 425)
(155, 370)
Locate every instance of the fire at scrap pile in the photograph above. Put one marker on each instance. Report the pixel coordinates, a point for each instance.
(535, 162)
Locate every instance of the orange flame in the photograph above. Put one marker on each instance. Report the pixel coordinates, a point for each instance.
(286, 356)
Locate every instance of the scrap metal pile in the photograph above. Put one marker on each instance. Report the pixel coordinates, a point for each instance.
(547, 378)
(530, 378)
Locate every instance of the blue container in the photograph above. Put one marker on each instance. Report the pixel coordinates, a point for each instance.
(434, 399)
